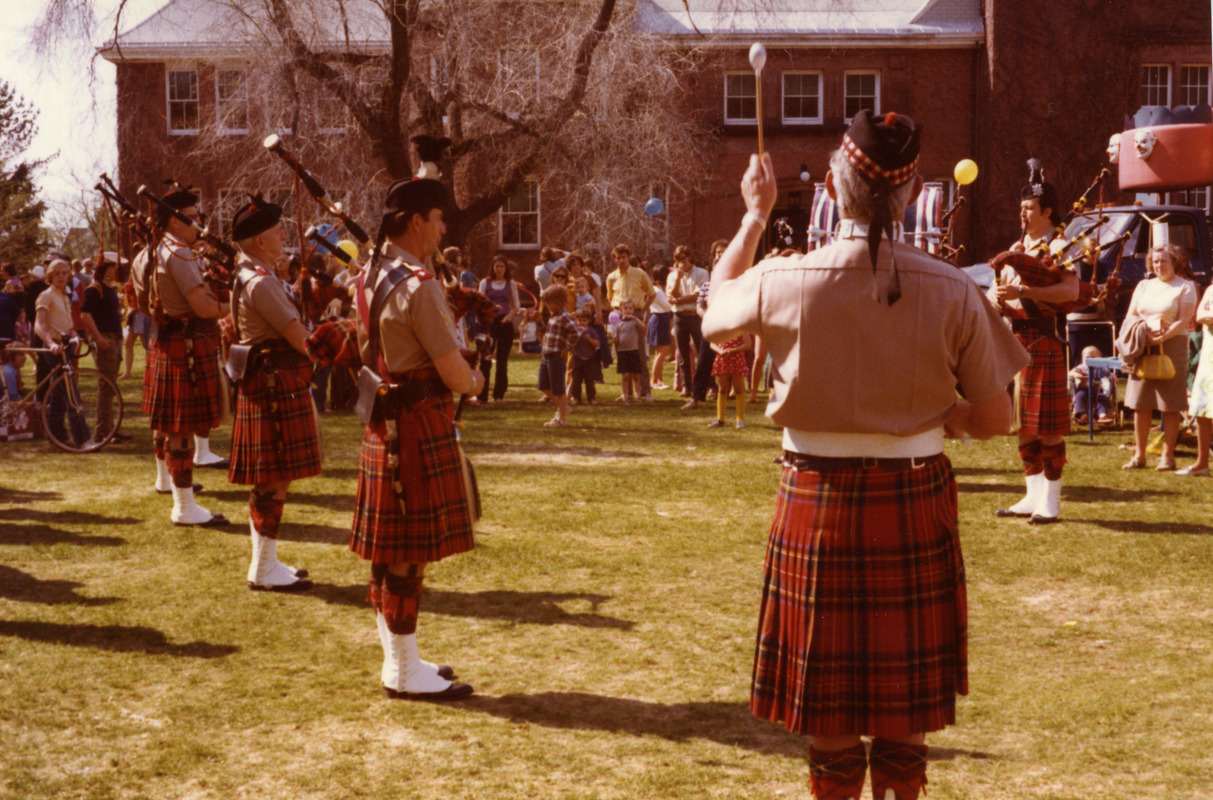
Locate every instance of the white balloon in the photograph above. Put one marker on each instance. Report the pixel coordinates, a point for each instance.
(758, 56)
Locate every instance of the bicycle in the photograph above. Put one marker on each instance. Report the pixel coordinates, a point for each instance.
(88, 401)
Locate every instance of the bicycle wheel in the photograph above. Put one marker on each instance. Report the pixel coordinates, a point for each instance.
(81, 411)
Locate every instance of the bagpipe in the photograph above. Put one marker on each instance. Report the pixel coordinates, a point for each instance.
(124, 213)
(218, 257)
(1040, 271)
(304, 177)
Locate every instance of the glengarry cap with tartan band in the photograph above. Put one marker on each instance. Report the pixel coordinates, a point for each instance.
(884, 148)
(255, 217)
(885, 152)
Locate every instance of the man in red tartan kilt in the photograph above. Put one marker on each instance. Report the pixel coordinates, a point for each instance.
(862, 629)
(1044, 399)
(412, 506)
(275, 438)
(181, 389)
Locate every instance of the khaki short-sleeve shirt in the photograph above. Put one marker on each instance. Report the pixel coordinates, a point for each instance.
(416, 326)
(178, 272)
(845, 363)
(265, 307)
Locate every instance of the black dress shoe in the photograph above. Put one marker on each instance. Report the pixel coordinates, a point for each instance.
(1037, 519)
(122, 437)
(1006, 512)
(446, 671)
(224, 464)
(301, 585)
(197, 488)
(456, 691)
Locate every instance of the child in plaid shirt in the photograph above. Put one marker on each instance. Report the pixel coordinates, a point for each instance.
(561, 335)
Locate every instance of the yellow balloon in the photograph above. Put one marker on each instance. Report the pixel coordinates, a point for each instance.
(965, 172)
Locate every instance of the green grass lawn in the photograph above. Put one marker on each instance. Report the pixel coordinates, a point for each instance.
(606, 619)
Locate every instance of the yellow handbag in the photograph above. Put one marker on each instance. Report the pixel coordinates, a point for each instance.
(1155, 365)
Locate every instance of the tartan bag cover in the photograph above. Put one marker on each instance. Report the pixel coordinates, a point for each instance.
(862, 628)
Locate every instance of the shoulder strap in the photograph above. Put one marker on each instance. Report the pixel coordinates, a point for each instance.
(243, 275)
(394, 276)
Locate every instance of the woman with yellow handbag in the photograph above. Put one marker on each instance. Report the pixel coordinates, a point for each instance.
(1165, 305)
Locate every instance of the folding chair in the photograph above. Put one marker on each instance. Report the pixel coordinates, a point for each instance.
(1097, 370)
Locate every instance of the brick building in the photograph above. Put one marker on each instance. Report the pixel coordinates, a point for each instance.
(997, 81)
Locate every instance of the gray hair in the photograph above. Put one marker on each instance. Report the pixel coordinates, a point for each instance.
(855, 196)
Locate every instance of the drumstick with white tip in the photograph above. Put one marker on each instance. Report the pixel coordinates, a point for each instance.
(758, 60)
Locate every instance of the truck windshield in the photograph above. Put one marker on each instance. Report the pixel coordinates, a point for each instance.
(1106, 227)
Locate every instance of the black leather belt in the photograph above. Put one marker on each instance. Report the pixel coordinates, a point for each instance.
(399, 396)
(1045, 326)
(802, 462)
(277, 354)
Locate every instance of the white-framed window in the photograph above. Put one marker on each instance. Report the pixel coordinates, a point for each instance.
(330, 111)
(740, 98)
(231, 100)
(860, 90)
(1194, 85)
(518, 219)
(181, 91)
(518, 73)
(440, 77)
(802, 98)
(1156, 85)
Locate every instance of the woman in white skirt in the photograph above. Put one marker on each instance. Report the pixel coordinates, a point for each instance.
(1201, 405)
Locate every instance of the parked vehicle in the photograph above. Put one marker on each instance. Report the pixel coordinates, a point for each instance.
(1187, 227)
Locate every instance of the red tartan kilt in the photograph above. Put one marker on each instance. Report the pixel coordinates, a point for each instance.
(863, 625)
(438, 521)
(1044, 400)
(174, 403)
(256, 455)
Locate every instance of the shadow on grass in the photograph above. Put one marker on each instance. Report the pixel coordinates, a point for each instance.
(510, 448)
(1072, 494)
(63, 517)
(726, 723)
(293, 531)
(45, 534)
(1138, 526)
(527, 608)
(25, 588)
(989, 488)
(115, 638)
(730, 724)
(334, 502)
(25, 496)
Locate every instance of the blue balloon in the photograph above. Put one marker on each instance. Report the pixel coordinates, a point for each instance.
(330, 234)
(654, 206)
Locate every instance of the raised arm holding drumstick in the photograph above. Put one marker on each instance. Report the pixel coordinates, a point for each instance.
(868, 365)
